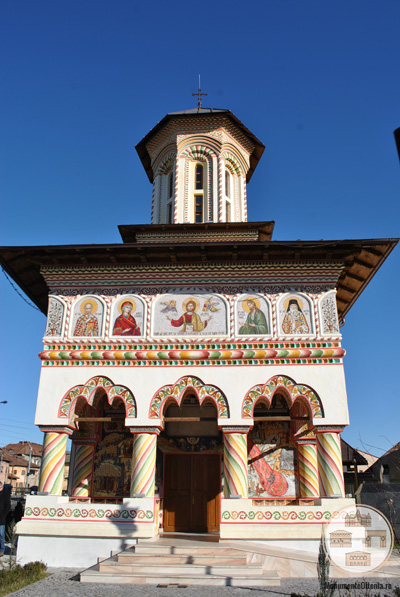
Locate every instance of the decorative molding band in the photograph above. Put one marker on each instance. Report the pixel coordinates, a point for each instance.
(236, 363)
(253, 355)
(328, 428)
(57, 429)
(88, 514)
(234, 429)
(152, 430)
(282, 277)
(271, 516)
(196, 237)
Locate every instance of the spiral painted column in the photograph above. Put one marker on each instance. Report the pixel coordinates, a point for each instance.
(83, 470)
(330, 465)
(308, 469)
(235, 464)
(53, 462)
(143, 463)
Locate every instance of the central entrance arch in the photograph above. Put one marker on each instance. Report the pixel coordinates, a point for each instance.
(192, 446)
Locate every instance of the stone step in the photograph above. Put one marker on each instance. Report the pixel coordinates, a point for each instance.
(238, 559)
(169, 570)
(157, 549)
(239, 580)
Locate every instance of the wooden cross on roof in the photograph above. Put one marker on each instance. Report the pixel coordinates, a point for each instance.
(199, 94)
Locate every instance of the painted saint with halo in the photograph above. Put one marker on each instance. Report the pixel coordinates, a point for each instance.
(125, 324)
(190, 320)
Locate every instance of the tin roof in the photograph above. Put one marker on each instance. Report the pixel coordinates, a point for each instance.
(195, 113)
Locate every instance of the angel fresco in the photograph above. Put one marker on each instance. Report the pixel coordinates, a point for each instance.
(170, 306)
(210, 305)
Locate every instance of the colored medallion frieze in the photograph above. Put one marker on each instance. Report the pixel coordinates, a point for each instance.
(171, 355)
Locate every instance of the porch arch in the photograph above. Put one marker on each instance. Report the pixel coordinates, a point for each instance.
(292, 391)
(88, 391)
(177, 391)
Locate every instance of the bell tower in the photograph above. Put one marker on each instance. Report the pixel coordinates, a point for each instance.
(199, 162)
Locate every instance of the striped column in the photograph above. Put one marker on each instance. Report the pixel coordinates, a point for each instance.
(235, 464)
(308, 470)
(83, 470)
(330, 465)
(53, 461)
(143, 464)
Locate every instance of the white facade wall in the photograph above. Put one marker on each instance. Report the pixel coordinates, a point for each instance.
(234, 381)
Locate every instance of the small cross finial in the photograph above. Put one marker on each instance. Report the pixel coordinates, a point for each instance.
(199, 94)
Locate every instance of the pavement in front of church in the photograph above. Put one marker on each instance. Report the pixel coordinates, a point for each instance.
(64, 582)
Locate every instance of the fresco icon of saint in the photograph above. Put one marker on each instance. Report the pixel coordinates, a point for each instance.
(190, 322)
(189, 315)
(296, 318)
(87, 324)
(125, 323)
(252, 316)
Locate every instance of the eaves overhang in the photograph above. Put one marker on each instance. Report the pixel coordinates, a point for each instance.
(360, 260)
(144, 155)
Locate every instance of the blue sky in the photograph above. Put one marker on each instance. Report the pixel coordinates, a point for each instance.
(317, 82)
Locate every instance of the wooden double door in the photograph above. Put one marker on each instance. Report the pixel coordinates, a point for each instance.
(192, 485)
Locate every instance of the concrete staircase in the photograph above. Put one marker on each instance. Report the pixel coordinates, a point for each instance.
(172, 561)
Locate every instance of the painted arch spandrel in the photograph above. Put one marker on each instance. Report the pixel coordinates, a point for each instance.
(87, 318)
(252, 316)
(127, 317)
(189, 315)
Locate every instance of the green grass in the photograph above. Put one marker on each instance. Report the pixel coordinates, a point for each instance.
(17, 577)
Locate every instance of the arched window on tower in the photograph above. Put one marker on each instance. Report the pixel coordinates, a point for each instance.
(228, 196)
(199, 193)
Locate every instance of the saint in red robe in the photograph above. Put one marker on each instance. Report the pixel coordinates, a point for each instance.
(126, 326)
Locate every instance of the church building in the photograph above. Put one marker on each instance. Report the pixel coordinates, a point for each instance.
(196, 367)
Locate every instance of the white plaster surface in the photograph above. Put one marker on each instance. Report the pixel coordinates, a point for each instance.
(68, 551)
(327, 380)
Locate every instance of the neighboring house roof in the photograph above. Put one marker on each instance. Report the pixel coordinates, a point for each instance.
(393, 449)
(390, 461)
(6, 456)
(370, 461)
(18, 461)
(351, 455)
(23, 447)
